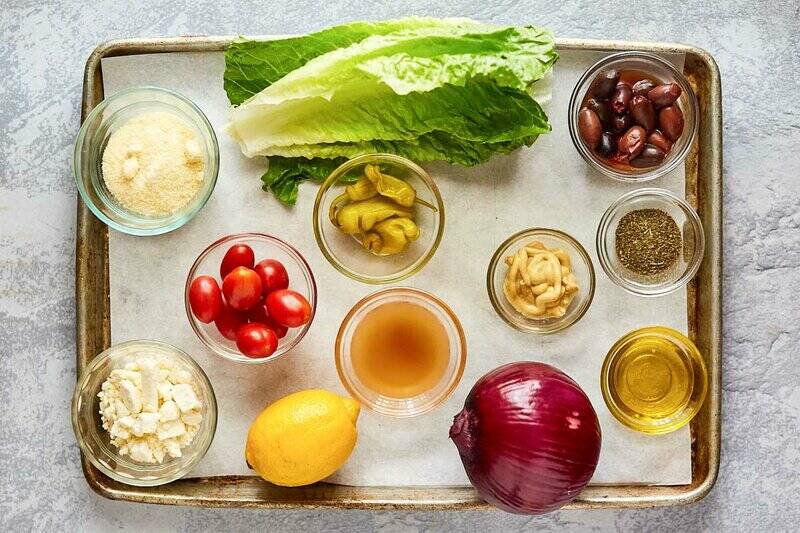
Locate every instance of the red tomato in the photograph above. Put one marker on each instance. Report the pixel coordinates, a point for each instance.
(288, 308)
(205, 298)
(238, 255)
(229, 321)
(242, 288)
(273, 275)
(260, 315)
(256, 340)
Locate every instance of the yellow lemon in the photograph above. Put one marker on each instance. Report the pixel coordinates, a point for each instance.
(303, 437)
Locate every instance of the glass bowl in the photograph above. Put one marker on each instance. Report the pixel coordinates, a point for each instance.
(345, 252)
(684, 268)
(634, 356)
(657, 69)
(112, 113)
(265, 247)
(581, 267)
(94, 441)
(409, 406)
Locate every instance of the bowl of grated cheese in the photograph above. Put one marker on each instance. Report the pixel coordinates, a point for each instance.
(146, 160)
(144, 413)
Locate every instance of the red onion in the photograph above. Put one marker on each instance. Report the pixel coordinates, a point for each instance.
(528, 437)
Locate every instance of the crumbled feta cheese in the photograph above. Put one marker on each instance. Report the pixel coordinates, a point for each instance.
(168, 411)
(192, 418)
(141, 452)
(168, 430)
(173, 447)
(180, 375)
(165, 391)
(150, 409)
(185, 397)
(149, 386)
(131, 396)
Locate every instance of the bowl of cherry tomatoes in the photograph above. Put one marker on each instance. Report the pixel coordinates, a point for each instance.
(250, 297)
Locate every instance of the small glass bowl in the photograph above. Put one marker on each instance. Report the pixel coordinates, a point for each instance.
(265, 247)
(659, 69)
(345, 252)
(102, 122)
(94, 441)
(581, 267)
(684, 268)
(690, 365)
(401, 407)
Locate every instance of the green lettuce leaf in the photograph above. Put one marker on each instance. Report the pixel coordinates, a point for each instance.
(254, 65)
(435, 146)
(284, 175)
(428, 89)
(398, 86)
(479, 111)
(286, 172)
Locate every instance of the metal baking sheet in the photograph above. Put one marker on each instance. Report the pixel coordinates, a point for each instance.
(703, 189)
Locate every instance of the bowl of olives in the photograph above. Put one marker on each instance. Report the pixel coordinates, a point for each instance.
(633, 116)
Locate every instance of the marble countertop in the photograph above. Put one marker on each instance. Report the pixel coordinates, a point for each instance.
(43, 49)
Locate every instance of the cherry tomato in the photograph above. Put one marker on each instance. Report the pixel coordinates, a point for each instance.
(288, 308)
(205, 298)
(236, 256)
(256, 340)
(260, 315)
(273, 275)
(242, 288)
(229, 321)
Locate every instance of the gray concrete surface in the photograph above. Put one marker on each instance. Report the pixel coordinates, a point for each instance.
(42, 52)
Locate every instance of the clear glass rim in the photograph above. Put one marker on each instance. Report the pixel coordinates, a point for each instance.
(683, 417)
(294, 254)
(604, 228)
(331, 180)
(647, 175)
(530, 325)
(211, 412)
(408, 411)
(210, 178)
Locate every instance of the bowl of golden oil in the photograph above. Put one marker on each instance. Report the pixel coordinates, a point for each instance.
(654, 380)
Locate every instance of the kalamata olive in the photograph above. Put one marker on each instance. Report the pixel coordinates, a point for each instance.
(650, 157)
(607, 145)
(604, 84)
(664, 95)
(642, 87)
(670, 122)
(621, 98)
(621, 122)
(602, 110)
(589, 127)
(631, 143)
(658, 140)
(642, 112)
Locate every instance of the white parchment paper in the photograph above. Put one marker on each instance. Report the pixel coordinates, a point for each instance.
(547, 185)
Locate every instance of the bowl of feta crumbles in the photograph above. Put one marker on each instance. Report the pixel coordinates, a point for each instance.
(144, 413)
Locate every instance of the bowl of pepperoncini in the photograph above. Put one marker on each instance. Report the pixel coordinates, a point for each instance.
(378, 218)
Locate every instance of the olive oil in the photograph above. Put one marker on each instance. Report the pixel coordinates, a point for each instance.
(654, 380)
(400, 349)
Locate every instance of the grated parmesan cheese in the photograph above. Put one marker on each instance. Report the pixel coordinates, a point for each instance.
(153, 164)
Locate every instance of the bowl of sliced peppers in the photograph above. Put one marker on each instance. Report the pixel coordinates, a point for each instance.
(378, 218)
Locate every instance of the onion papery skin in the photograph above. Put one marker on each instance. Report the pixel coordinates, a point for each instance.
(529, 438)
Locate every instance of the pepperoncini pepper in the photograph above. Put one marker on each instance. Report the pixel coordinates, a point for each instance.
(363, 189)
(360, 217)
(391, 236)
(379, 210)
(390, 187)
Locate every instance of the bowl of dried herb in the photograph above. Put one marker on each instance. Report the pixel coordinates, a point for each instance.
(650, 242)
